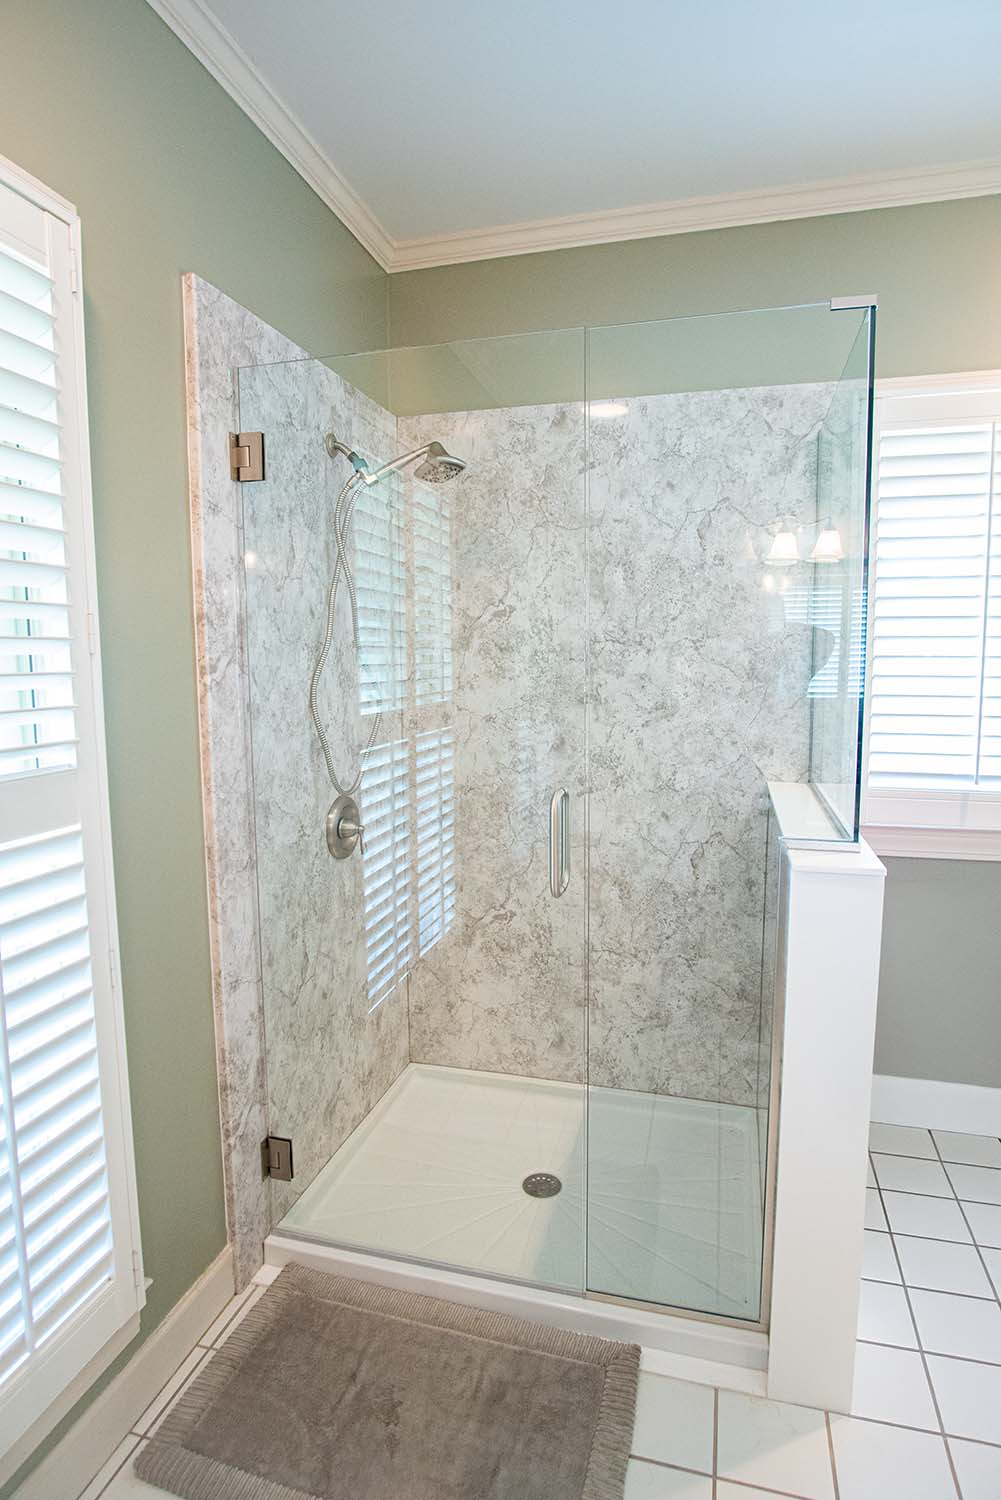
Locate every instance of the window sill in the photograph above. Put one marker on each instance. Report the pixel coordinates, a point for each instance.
(933, 843)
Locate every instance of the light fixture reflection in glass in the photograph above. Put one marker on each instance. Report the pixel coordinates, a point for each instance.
(603, 409)
(828, 548)
(784, 550)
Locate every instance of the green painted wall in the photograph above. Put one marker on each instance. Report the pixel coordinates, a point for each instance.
(106, 106)
(940, 978)
(935, 267)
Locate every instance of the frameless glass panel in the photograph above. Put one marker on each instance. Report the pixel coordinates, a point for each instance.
(704, 617)
(424, 996)
(838, 585)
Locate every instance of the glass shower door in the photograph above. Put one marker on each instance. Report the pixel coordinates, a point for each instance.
(424, 997)
(710, 441)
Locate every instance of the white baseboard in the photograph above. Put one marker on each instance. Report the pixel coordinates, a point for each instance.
(939, 1106)
(64, 1472)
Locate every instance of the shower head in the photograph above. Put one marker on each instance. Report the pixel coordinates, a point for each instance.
(435, 465)
(440, 466)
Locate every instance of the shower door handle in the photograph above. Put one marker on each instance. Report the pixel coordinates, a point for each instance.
(559, 841)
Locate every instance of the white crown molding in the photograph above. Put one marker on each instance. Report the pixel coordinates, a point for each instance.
(723, 211)
(230, 66)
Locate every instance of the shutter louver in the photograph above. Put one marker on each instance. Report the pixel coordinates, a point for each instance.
(37, 721)
(930, 607)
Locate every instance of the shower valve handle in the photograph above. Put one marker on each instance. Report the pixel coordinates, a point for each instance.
(347, 828)
(344, 828)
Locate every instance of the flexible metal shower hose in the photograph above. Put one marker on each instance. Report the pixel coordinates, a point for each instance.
(343, 512)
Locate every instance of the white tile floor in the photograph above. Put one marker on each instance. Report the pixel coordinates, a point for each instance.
(926, 1414)
(435, 1171)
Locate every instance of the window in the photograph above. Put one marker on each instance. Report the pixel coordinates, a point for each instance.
(70, 1276)
(403, 552)
(934, 702)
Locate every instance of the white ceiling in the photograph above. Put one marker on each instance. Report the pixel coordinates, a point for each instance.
(438, 118)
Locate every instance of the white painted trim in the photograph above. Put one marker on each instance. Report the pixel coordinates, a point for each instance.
(934, 1105)
(719, 211)
(934, 385)
(230, 66)
(830, 918)
(95, 1436)
(689, 1337)
(933, 843)
(30, 1391)
(225, 59)
(20, 181)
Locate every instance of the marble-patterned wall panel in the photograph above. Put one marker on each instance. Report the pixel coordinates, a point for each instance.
(698, 690)
(329, 1057)
(504, 987)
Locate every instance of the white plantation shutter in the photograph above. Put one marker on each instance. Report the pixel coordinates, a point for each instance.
(989, 768)
(69, 1268)
(936, 604)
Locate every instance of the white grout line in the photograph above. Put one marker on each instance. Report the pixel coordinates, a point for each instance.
(110, 1469)
(715, 1441)
(161, 1402)
(966, 1221)
(830, 1449)
(223, 1320)
(763, 1489)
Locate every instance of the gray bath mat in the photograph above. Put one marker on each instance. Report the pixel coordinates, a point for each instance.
(336, 1389)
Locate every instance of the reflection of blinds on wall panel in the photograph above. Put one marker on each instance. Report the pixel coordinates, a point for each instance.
(432, 595)
(384, 800)
(928, 602)
(379, 558)
(37, 725)
(434, 782)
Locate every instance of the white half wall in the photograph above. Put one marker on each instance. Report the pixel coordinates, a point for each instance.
(830, 918)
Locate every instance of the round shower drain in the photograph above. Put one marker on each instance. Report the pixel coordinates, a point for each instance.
(541, 1185)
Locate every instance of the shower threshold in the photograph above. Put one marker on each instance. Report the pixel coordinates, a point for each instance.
(434, 1191)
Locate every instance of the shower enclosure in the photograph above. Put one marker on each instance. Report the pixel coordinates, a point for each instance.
(525, 1028)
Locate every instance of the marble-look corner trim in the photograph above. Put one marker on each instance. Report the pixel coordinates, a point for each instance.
(219, 336)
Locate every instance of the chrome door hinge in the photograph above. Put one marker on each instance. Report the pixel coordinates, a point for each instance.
(91, 634)
(137, 1268)
(74, 273)
(276, 1158)
(246, 456)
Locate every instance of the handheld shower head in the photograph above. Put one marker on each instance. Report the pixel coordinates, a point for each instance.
(435, 465)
